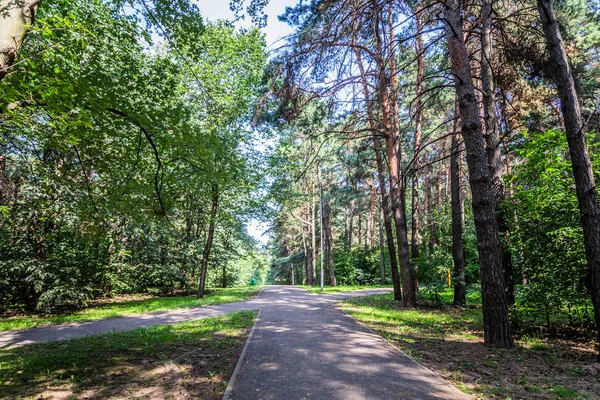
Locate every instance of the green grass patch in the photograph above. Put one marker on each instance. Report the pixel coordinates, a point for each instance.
(338, 289)
(196, 356)
(449, 340)
(473, 295)
(382, 310)
(120, 309)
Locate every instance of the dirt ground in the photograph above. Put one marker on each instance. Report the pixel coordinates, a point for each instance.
(535, 369)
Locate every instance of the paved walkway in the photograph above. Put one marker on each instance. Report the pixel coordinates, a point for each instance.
(80, 329)
(303, 347)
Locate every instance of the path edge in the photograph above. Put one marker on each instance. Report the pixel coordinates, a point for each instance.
(398, 350)
(240, 361)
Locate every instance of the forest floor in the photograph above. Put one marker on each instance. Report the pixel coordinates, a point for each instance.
(340, 289)
(123, 305)
(450, 342)
(180, 361)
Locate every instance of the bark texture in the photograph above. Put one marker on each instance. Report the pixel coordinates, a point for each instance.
(415, 239)
(585, 187)
(397, 190)
(16, 19)
(495, 309)
(458, 218)
(492, 138)
(385, 202)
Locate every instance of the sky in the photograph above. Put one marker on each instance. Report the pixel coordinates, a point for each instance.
(275, 30)
(219, 9)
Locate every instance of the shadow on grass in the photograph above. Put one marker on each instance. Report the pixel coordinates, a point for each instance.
(187, 359)
(450, 341)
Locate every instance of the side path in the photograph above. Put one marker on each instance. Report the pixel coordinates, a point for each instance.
(75, 330)
(307, 348)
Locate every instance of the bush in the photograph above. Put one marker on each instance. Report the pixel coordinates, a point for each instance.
(432, 293)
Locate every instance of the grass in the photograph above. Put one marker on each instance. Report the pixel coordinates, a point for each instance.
(186, 360)
(338, 289)
(473, 295)
(450, 341)
(129, 307)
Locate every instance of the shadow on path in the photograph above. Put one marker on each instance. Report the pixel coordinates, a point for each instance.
(303, 347)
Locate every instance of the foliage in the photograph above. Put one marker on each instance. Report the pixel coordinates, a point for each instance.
(547, 230)
(116, 127)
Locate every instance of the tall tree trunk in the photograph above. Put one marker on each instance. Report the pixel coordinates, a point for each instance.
(415, 237)
(350, 224)
(585, 187)
(438, 205)
(492, 138)
(427, 205)
(381, 247)
(293, 273)
(387, 220)
(321, 208)
(385, 205)
(396, 182)
(360, 230)
(306, 262)
(209, 238)
(16, 19)
(458, 218)
(495, 308)
(329, 241)
(313, 279)
(371, 228)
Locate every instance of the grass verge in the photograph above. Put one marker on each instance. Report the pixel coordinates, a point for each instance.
(186, 360)
(122, 307)
(450, 341)
(338, 289)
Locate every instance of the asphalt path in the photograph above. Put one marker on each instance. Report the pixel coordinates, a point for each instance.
(303, 346)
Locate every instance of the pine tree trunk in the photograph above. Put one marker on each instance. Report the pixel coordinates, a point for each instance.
(458, 218)
(495, 308)
(329, 241)
(396, 183)
(415, 238)
(492, 138)
(385, 205)
(313, 280)
(351, 225)
(585, 187)
(426, 205)
(360, 230)
(381, 247)
(307, 251)
(371, 228)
